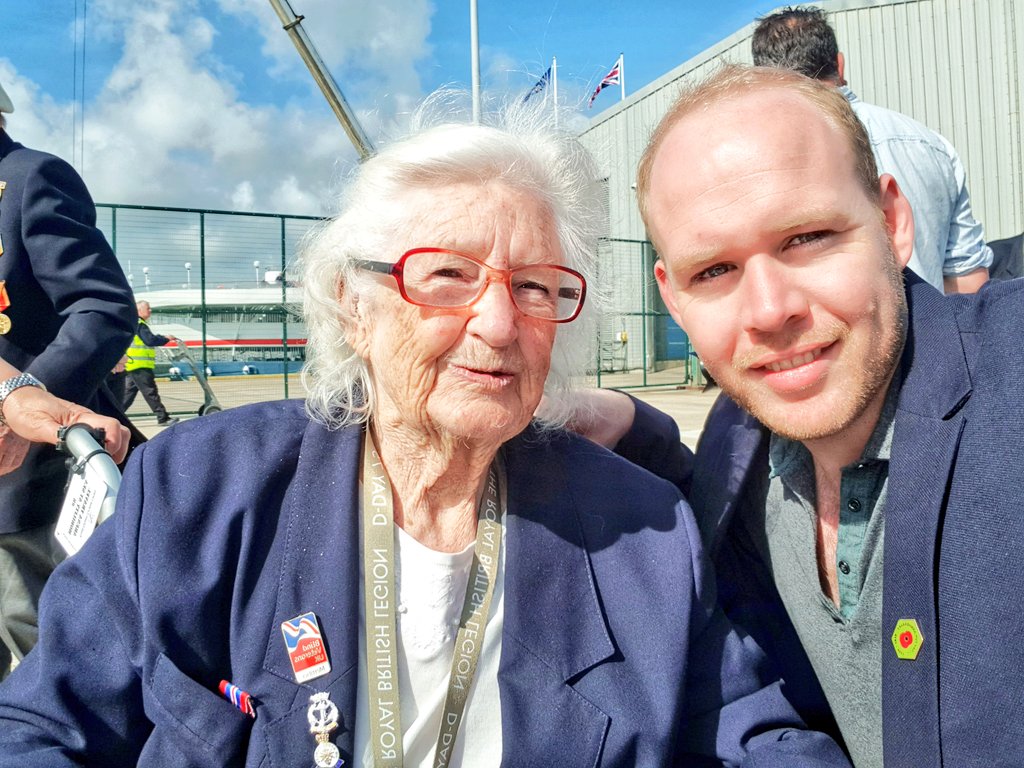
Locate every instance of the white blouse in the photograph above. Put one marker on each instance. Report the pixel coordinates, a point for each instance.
(431, 587)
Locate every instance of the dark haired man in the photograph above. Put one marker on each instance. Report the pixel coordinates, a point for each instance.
(949, 244)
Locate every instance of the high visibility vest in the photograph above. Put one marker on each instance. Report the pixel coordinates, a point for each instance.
(139, 355)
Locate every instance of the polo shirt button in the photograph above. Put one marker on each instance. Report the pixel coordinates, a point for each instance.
(844, 567)
(853, 505)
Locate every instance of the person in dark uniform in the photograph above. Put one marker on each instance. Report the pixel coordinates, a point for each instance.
(141, 364)
(66, 316)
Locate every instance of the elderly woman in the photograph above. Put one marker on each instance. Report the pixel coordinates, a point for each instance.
(409, 570)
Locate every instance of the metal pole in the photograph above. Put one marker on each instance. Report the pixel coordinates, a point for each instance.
(293, 26)
(554, 87)
(474, 44)
(113, 236)
(622, 77)
(202, 281)
(284, 304)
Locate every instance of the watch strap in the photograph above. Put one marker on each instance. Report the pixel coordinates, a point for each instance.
(16, 382)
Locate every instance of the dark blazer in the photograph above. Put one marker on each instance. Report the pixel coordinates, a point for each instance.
(72, 314)
(954, 535)
(614, 652)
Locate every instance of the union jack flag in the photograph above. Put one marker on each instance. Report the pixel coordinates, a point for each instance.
(612, 78)
(539, 86)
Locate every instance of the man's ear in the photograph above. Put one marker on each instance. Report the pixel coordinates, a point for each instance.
(899, 218)
(840, 68)
(668, 294)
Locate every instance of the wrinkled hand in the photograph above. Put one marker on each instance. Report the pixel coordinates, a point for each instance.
(35, 415)
(13, 449)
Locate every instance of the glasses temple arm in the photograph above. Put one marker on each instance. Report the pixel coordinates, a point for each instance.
(374, 266)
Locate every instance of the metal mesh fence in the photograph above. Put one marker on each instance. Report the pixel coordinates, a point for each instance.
(220, 282)
(639, 344)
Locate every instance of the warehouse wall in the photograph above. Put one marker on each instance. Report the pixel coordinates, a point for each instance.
(955, 65)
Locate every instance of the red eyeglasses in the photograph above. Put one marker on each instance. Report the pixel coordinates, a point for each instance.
(435, 277)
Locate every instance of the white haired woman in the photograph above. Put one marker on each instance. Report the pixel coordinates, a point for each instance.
(410, 570)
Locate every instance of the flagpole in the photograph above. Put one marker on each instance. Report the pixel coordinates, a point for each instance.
(622, 78)
(554, 87)
(474, 44)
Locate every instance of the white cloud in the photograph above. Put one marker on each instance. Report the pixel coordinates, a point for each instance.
(242, 199)
(374, 44)
(168, 126)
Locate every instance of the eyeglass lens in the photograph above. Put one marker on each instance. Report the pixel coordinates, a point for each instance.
(445, 279)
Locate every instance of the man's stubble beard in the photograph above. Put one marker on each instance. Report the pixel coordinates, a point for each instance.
(888, 337)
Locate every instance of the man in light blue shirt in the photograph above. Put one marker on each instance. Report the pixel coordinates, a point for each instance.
(949, 244)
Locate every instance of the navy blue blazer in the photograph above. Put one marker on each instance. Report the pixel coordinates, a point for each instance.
(614, 652)
(954, 534)
(72, 313)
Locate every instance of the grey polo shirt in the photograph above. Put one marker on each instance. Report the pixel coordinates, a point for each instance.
(844, 644)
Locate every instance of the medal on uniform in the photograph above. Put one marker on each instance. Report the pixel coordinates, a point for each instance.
(3, 186)
(5, 321)
(323, 718)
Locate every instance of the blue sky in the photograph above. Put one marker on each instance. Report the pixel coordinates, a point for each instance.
(205, 103)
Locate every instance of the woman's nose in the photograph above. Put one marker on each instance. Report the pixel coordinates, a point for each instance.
(494, 316)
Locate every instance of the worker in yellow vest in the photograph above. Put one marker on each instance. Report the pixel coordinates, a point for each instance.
(141, 364)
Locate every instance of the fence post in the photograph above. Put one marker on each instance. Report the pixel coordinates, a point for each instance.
(202, 281)
(284, 307)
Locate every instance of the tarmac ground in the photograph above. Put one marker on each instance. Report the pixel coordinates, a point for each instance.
(689, 406)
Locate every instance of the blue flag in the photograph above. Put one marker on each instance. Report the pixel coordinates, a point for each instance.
(540, 86)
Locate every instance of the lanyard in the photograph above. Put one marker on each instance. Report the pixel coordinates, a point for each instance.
(381, 601)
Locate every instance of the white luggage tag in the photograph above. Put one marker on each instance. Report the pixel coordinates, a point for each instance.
(81, 510)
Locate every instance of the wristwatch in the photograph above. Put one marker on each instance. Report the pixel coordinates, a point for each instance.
(16, 382)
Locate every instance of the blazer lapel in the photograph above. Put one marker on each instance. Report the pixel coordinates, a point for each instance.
(726, 456)
(319, 573)
(554, 625)
(928, 427)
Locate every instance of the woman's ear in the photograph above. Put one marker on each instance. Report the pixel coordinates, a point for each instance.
(354, 324)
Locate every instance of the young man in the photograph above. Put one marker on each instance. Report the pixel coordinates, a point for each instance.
(875, 426)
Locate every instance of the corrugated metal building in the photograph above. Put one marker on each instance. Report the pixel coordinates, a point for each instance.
(955, 65)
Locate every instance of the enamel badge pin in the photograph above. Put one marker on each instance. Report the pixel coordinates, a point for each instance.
(305, 645)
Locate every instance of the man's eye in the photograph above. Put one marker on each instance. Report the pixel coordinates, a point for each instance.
(809, 237)
(712, 272)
